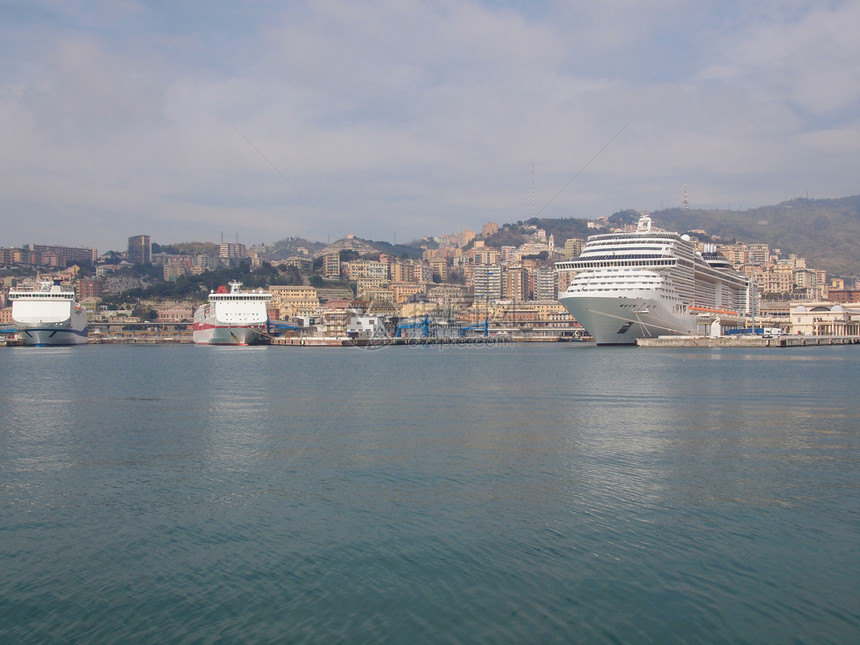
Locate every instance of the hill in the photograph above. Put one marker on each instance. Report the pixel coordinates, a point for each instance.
(370, 247)
(824, 231)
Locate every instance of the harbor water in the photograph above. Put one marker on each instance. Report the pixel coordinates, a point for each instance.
(541, 493)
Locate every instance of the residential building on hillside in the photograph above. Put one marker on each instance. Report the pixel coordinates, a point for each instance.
(294, 300)
(490, 228)
(58, 256)
(140, 249)
(404, 290)
(448, 296)
(439, 269)
(232, 251)
(543, 285)
(464, 237)
(487, 281)
(362, 285)
(89, 288)
(515, 283)
(331, 265)
(844, 296)
(402, 272)
(366, 269)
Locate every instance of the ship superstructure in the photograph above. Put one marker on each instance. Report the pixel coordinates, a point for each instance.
(233, 317)
(48, 315)
(647, 283)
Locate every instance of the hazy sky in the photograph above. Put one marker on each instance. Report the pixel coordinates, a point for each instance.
(392, 119)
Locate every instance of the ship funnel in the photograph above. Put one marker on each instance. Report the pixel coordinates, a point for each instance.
(644, 225)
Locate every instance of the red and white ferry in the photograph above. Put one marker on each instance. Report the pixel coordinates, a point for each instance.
(231, 318)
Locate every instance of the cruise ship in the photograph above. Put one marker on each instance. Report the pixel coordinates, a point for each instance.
(648, 283)
(48, 315)
(231, 318)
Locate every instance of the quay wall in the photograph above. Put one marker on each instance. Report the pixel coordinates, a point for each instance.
(746, 341)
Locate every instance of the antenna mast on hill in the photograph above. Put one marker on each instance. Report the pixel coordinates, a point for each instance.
(685, 204)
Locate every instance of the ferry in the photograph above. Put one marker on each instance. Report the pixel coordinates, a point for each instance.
(233, 317)
(647, 283)
(48, 315)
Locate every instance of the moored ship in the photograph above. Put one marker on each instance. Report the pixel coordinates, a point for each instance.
(647, 283)
(48, 315)
(232, 317)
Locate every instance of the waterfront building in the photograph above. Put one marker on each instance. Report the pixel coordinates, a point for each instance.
(140, 249)
(825, 319)
(366, 326)
(177, 312)
(335, 318)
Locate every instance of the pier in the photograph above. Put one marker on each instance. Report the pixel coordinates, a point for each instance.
(746, 341)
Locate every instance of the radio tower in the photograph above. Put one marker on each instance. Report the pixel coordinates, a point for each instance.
(685, 205)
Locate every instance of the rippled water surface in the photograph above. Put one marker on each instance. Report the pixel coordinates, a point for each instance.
(526, 493)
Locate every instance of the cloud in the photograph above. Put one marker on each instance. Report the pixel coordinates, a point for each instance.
(416, 118)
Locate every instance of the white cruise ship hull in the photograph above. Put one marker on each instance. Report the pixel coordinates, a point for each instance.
(49, 336)
(43, 323)
(212, 333)
(234, 318)
(629, 284)
(620, 320)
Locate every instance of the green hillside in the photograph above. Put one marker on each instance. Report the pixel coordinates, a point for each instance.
(824, 231)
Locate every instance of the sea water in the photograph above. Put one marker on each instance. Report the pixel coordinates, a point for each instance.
(453, 494)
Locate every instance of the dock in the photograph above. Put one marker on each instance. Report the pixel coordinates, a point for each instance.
(746, 341)
(381, 342)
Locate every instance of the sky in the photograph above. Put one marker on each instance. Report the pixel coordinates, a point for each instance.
(392, 120)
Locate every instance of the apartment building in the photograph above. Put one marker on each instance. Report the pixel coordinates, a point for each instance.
(292, 300)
